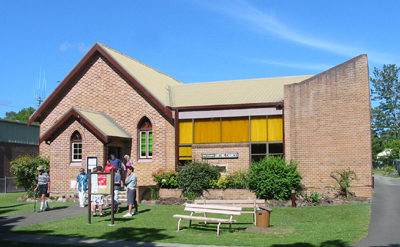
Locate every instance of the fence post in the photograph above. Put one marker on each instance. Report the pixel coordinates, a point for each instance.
(5, 184)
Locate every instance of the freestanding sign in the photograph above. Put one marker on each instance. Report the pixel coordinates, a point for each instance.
(101, 183)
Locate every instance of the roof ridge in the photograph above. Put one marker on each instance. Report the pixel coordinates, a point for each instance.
(238, 80)
(158, 71)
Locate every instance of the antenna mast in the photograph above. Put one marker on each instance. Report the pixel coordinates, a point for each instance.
(40, 92)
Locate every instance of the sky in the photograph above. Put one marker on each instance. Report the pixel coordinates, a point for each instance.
(192, 41)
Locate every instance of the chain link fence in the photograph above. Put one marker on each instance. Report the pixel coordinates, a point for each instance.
(7, 185)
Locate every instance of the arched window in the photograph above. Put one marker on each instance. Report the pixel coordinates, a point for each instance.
(146, 139)
(76, 147)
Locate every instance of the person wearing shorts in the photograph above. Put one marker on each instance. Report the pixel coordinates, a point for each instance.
(43, 185)
(117, 188)
(97, 200)
(131, 182)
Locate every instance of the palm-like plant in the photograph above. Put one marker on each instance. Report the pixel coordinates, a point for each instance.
(344, 178)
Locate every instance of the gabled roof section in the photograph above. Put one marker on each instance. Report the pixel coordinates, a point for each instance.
(99, 123)
(237, 92)
(151, 82)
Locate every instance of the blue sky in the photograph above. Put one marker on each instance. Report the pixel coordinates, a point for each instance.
(193, 41)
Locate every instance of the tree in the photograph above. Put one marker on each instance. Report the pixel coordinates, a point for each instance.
(25, 169)
(22, 116)
(386, 91)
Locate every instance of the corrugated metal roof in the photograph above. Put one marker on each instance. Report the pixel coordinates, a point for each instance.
(264, 90)
(156, 82)
(103, 123)
(19, 132)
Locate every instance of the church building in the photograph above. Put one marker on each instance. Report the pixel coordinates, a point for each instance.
(111, 103)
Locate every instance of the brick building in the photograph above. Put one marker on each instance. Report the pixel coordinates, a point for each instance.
(111, 103)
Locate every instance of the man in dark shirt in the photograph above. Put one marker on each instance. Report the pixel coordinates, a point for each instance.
(115, 161)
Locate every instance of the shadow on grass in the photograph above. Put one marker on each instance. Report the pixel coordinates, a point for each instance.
(330, 243)
(7, 209)
(137, 234)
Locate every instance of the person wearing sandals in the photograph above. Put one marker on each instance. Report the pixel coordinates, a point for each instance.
(131, 182)
(43, 184)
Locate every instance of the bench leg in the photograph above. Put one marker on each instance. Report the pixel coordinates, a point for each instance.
(255, 218)
(219, 224)
(179, 224)
(190, 223)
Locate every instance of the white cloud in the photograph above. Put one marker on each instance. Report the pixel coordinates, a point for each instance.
(268, 24)
(308, 66)
(81, 47)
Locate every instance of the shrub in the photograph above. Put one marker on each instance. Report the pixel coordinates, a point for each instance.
(344, 178)
(221, 183)
(314, 197)
(166, 179)
(25, 171)
(195, 177)
(238, 180)
(154, 193)
(274, 178)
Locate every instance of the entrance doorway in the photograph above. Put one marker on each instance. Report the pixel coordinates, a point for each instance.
(117, 151)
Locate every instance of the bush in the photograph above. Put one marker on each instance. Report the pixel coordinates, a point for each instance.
(274, 178)
(314, 197)
(166, 179)
(238, 180)
(221, 183)
(344, 178)
(195, 177)
(25, 170)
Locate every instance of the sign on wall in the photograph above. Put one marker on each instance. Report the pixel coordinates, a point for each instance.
(234, 155)
(91, 163)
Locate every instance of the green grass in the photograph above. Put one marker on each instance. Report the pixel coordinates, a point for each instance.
(301, 227)
(9, 204)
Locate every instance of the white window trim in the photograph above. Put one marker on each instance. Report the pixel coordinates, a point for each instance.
(147, 156)
(72, 152)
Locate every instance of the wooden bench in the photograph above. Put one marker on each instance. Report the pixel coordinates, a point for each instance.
(213, 209)
(253, 204)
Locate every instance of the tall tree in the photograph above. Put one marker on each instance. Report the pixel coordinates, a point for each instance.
(22, 116)
(386, 91)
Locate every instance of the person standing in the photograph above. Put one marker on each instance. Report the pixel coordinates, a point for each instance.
(108, 166)
(97, 200)
(131, 182)
(43, 184)
(115, 161)
(82, 184)
(117, 187)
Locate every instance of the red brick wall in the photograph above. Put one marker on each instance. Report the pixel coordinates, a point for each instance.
(232, 165)
(327, 125)
(100, 87)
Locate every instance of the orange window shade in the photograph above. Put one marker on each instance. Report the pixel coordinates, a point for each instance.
(275, 128)
(185, 132)
(259, 129)
(207, 131)
(235, 130)
(185, 153)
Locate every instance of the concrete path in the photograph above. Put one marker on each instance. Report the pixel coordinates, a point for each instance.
(384, 226)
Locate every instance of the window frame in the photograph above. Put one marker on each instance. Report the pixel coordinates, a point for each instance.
(145, 126)
(76, 139)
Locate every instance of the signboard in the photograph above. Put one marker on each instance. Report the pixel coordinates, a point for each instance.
(91, 163)
(221, 156)
(101, 183)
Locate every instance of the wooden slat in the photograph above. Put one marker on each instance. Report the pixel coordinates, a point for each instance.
(199, 218)
(257, 201)
(213, 211)
(218, 207)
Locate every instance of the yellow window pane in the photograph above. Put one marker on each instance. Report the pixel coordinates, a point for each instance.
(185, 158)
(185, 151)
(185, 132)
(207, 131)
(235, 129)
(275, 128)
(259, 129)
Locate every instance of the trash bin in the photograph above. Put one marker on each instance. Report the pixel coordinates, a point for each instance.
(262, 217)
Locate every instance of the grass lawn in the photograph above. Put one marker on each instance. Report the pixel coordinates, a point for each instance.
(384, 173)
(297, 227)
(9, 204)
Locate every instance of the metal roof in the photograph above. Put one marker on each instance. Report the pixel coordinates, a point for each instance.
(156, 82)
(18, 132)
(251, 91)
